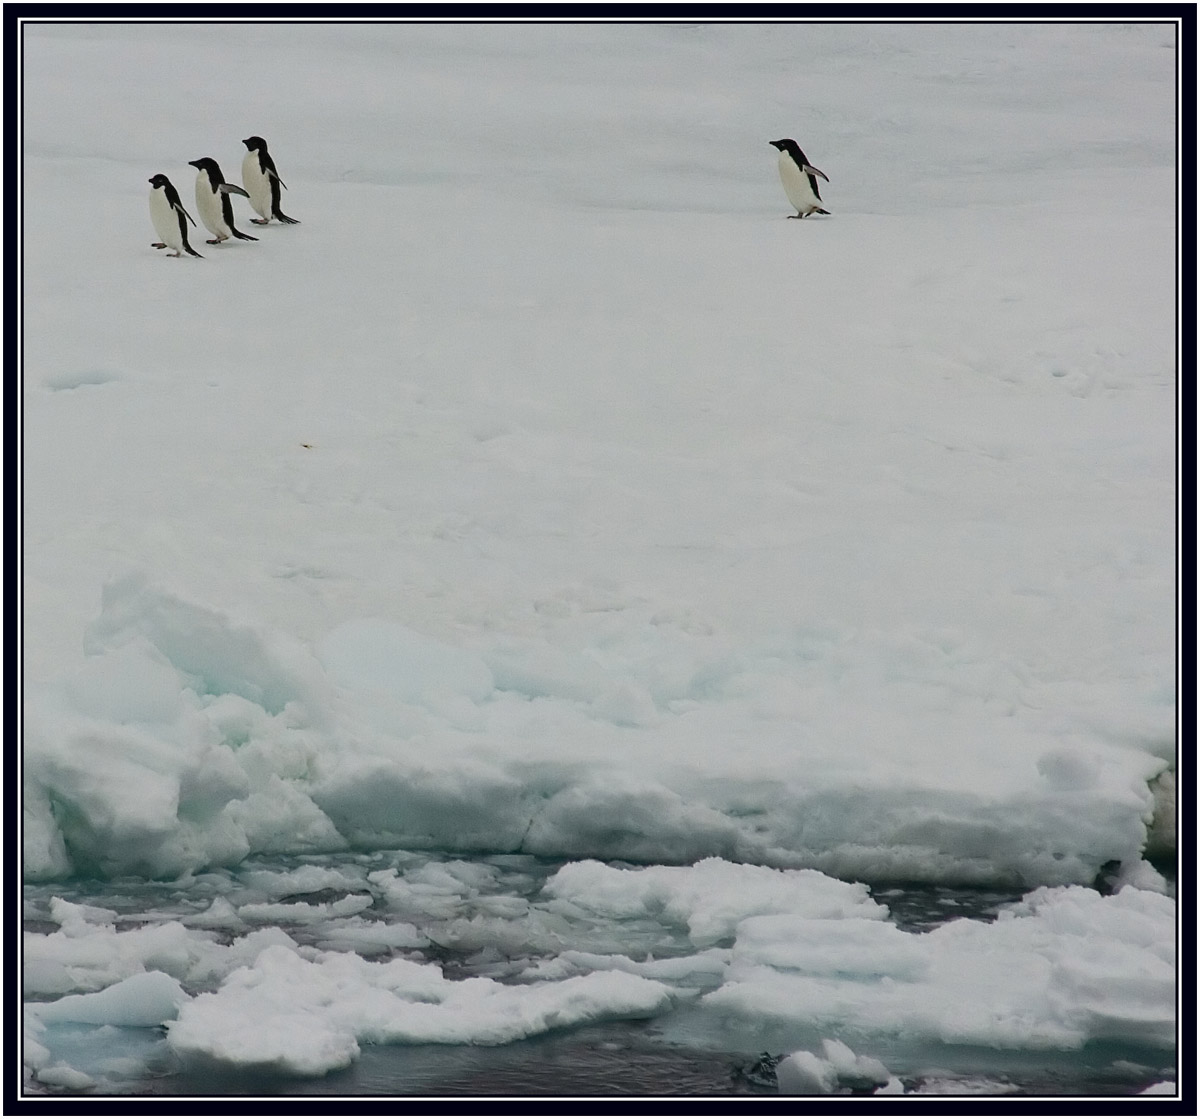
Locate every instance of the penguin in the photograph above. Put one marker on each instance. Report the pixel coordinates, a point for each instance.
(263, 182)
(169, 217)
(213, 203)
(799, 179)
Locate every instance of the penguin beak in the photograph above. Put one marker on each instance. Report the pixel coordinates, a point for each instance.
(809, 169)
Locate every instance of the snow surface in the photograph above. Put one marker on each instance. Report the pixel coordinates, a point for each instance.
(546, 491)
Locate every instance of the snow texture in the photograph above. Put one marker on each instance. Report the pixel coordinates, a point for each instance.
(547, 490)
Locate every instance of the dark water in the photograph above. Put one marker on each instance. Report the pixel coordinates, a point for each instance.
(672, 1055)
(625, 1059)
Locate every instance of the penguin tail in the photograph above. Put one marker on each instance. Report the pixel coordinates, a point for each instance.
(284, 218)
(818, 210)
(241, 236)
(192, 251)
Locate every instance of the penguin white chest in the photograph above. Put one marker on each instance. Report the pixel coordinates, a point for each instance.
(257, 185)
(796, 185)
(166, 220)
(208, 202)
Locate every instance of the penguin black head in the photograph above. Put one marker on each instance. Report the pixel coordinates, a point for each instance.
(255, 143)
(159, 181)
(208, 164)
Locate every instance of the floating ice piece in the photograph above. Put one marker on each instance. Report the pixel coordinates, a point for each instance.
(89, 955)
(712, 897)
(805, 1074)
(148, 999)
(841, 1070)
(303, 913)
(1061, 968)
(306, 1018)
(62, 1075)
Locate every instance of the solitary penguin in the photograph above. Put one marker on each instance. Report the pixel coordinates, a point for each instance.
(169, 217)
(263, 182)
(799, 179)
(213, 202)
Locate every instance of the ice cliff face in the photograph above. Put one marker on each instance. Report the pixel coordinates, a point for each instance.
(188, 738)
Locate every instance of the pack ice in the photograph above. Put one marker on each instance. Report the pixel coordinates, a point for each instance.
(715, 949)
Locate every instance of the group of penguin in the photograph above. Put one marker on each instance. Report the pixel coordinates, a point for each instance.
(799, 178)
(262, 187)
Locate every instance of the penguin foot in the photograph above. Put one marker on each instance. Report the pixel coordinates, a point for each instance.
(213, 241)
(260, 221)
(157, 245)
(795, 215)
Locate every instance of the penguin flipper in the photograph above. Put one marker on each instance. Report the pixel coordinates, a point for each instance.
(229, 188)
(179, 207)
